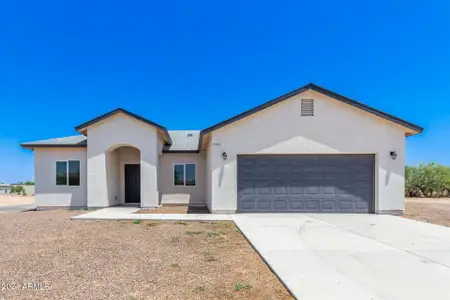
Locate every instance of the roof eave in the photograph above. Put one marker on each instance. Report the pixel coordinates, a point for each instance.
(32, 146)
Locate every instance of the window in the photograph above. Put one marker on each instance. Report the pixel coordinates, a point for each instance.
(74, 172)
(61, 173)
(307, 108)
(190, 174)
(178, 173)
(184, 174)
(68, 173)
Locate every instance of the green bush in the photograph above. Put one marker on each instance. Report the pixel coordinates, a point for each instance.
(18, 189)
(430, 180)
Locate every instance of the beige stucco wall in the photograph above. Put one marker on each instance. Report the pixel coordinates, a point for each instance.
(171, 194)
(335, 128)
(109, 134)
(112, 177)
(47, 193)
(208, 175)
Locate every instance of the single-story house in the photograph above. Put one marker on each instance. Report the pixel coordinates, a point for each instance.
(5, 188)
(311, 150)
(29, 188)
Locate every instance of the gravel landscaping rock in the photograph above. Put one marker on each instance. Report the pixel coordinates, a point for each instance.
(430, 210)
(45, 255)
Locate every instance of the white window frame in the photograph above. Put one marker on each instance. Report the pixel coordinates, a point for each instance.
(184, 175)
(67, 172)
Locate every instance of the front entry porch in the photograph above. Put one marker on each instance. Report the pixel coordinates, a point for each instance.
(123, 176)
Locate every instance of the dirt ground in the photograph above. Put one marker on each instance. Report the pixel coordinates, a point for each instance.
(174, 209)
(45, 255)
(430, 210)
(6, 200)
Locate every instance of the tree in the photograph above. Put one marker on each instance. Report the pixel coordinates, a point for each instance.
(430, 180)
(18, 189)
(28, 182)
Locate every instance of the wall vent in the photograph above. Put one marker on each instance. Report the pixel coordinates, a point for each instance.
(307, 109)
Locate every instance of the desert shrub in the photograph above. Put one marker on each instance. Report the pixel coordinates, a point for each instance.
(430, 180)
(16, 189)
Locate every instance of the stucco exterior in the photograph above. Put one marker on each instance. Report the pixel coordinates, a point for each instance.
(334, 128)
(172, 194)
(47, 193)
(107, 143)
(118, 131)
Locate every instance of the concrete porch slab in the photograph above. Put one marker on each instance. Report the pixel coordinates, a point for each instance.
(128, 213)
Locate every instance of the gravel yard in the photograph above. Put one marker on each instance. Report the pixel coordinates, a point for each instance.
(430, 210)
(68, 259)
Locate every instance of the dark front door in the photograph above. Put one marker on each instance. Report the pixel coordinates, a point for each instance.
(306, 183)
(132, 183)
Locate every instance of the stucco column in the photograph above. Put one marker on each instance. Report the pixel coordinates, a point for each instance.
(149, 180)
(96, 180)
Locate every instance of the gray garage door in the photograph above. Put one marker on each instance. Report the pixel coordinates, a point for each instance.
(306, 183)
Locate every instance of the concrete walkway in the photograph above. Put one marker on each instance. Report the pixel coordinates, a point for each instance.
(128, 213)
(353, 256)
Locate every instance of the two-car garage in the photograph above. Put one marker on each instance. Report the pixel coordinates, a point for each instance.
(306, 183)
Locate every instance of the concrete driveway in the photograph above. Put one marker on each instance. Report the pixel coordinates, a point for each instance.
(353, 256)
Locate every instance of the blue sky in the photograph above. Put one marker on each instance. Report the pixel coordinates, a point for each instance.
(191, 64)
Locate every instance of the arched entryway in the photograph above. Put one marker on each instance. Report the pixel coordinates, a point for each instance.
(123, 175)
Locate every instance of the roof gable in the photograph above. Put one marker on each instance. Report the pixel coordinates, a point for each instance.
(316, 88)
(81, 128)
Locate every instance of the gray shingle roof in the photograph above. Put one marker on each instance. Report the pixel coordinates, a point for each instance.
(183, 141)
(68, 141)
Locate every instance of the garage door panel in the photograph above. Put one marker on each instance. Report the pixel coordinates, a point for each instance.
(311, 205)
(329, 191)
(294, 190)
(264, 205)
(295, 205)
(328, 205)
(280, 190)
(280, 205)
(247, 189)
(247, 205)
(310, 183)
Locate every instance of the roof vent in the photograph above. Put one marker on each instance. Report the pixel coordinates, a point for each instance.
(307, 108)
(189, 135)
